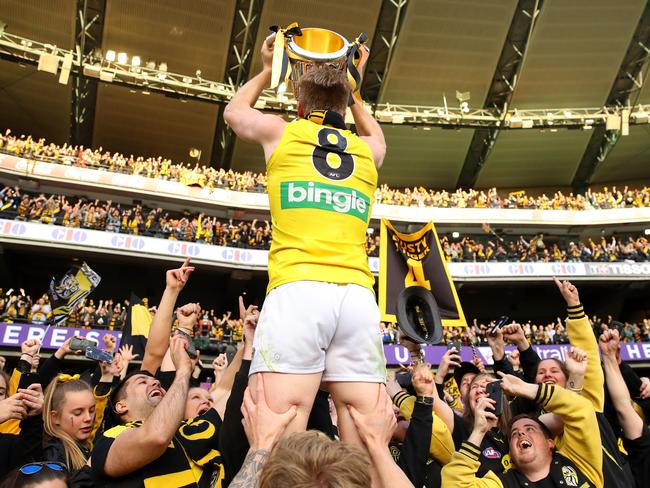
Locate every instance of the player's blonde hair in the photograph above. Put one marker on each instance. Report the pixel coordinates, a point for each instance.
(312, 460)
(324, 86)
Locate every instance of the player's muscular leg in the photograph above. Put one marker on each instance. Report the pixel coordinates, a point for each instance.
(362, 396)
(284, 390)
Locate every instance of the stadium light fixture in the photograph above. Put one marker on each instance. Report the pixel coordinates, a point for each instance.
(151, 64)
(641, 117)
(516, 122)
(384, 116)
(110, 55)
(135, 61)
(162, 66)
(647, 232)
(568, 113)
(122, 58)
(3, 26)
(106, 76)
(455, 235)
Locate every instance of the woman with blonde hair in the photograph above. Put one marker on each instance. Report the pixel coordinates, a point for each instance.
(72, 413)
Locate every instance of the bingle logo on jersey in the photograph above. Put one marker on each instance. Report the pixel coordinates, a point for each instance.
(491, 453)
(322, 196)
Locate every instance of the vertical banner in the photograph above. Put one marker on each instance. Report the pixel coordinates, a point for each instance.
(138, 323)
(415, 259)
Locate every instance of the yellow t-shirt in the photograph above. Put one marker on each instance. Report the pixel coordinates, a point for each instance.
(321, 182)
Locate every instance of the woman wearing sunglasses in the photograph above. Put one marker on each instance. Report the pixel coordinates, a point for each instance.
(40, 475)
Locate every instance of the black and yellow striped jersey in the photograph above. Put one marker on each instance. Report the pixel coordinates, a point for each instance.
(189, 461)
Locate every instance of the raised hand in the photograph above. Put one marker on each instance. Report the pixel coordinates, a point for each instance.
(126, 351)
(267, 51)
(423, 380)
(220, 363)
(187, 316)
(484, 417)
(514, 333)
(250, 316)
(12, 408)
(576, 362)
(450, 358)
(177, 278)
(514, 386)
(568, 291)
(32, 398)
(109, 343)
(30, 347)
(178, 351)
(609, 342)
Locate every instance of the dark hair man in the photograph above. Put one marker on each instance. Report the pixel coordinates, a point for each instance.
(153, 446)
(320, 321)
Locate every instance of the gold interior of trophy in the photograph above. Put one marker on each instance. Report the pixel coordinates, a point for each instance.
(322, 44)
(319, 41)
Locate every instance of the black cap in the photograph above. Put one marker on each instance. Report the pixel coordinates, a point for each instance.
(464, 368)
(418, 316)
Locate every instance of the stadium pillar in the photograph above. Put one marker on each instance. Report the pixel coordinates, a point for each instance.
(387, 30)
(243, 35)
(624, 93)
(89, 26)
(504, 83)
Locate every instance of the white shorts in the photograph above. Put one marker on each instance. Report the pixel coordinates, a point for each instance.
(312, 327)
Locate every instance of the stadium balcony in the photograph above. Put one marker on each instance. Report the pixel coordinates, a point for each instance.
(83, 241)
(46, 173)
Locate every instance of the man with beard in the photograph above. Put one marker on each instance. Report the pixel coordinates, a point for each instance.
(536, 460)
(153, 446)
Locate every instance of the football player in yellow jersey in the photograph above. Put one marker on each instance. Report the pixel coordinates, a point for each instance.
(320, 320)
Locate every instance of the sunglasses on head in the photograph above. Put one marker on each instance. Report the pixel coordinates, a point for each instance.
(33, 468)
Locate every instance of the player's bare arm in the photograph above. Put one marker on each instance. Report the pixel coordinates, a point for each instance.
(248, 123)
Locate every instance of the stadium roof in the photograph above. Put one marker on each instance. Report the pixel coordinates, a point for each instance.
(574, 54)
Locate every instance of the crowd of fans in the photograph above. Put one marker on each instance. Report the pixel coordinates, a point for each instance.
(18, 307)
(476, 334)
(546, 422)
(534, 249)
(80, 212)
(206, 176)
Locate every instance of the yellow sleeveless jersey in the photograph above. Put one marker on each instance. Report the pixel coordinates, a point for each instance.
(321, 184)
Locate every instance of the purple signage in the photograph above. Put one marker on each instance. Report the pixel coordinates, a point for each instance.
(396, 355)
(12, 335)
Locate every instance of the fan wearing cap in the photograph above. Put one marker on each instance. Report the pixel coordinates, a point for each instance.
(152, 445)
(320, 320)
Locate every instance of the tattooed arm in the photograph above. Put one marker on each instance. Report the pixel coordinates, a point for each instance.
(249, 473)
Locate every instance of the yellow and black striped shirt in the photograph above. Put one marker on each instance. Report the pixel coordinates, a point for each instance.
(189, 461)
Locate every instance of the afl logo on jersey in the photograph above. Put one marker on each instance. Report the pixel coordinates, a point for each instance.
(491, 453)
